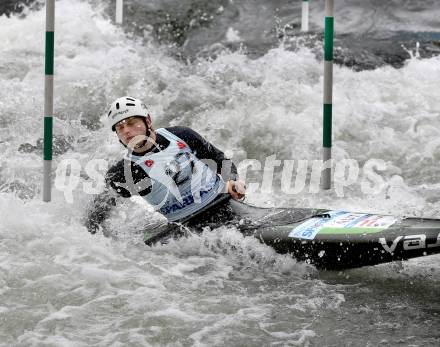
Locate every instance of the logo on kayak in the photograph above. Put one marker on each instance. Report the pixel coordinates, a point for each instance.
(341, 222)
(181, 145)
(410, 242)
(149, 162)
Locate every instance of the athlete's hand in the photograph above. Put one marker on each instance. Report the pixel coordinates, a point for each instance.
(237, 189)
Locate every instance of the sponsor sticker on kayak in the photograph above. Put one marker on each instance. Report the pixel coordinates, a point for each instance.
(337, 222)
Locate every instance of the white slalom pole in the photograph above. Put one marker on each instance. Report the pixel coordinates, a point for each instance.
(305, 16)
(119, 11)
(48, 99)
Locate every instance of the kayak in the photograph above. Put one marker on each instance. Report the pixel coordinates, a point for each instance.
(328, 239)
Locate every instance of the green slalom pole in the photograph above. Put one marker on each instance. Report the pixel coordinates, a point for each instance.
(48, 99)
(328, 85)
(305, 16)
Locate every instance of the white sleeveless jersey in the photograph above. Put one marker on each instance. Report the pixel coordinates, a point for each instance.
(181, 184)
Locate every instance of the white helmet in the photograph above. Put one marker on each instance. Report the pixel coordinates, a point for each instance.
(125, 107)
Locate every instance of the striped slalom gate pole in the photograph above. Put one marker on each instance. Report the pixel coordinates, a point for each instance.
(305, 16)
(48, 99)
(119, 11)
(328, 85)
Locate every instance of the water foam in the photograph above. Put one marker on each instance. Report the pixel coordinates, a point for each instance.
(56, 279)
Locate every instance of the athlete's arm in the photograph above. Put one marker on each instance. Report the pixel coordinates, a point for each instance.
(101, 205)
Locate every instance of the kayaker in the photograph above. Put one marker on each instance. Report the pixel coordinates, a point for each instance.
(174, 169)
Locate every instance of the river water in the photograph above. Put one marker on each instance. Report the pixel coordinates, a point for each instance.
(241, 74)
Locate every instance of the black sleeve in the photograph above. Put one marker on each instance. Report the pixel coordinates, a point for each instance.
(127, 179)
(206, 150)
(101, 205)
(115, 179)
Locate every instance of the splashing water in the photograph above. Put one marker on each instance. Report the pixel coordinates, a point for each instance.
(60, 286)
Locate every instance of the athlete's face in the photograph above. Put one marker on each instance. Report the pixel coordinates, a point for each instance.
(131, 131)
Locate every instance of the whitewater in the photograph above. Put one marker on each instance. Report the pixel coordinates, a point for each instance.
(254, 94)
